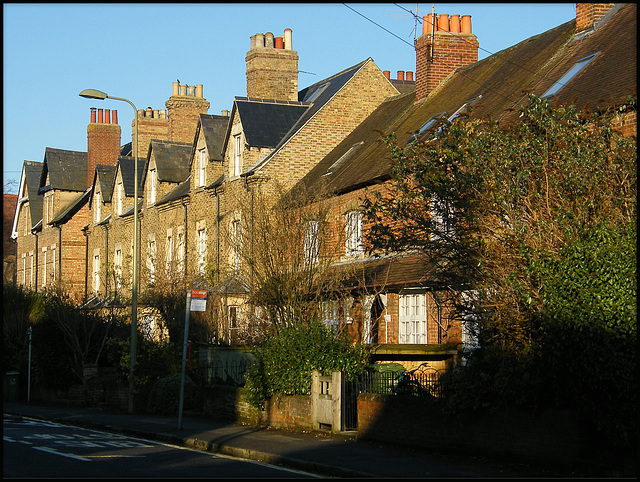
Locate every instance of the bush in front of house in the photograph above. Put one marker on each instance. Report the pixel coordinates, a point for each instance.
(287, 359)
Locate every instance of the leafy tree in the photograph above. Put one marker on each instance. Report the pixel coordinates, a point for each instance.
(487, 201)
(534, 219)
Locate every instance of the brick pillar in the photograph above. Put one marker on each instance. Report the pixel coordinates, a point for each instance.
(272, 68)
(103, 141)
(441, 50)
(589, 13)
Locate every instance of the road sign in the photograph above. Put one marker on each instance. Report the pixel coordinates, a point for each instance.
(198, 300)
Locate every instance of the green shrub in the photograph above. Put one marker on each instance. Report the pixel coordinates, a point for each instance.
(287, 359)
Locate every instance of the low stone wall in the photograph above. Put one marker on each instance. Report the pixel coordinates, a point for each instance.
(551, 435)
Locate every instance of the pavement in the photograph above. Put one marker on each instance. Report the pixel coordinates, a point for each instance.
(322, 453)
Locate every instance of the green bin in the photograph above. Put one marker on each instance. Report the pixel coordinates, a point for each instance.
(12, 386)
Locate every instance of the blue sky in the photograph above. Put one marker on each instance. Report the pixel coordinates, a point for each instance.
(51, 52)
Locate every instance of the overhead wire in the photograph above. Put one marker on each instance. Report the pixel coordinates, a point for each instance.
(418, 19)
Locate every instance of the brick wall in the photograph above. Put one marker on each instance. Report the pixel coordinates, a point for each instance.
(358, 99)
(272, 69)
(103, 147)
(149, 128)
(589, 13)
(283, 412)
(412, 421)
(450, 52)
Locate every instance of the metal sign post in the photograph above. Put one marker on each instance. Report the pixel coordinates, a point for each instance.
(196, 301)
(29, 371)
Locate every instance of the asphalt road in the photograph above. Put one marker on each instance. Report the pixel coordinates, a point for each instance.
(37, 449)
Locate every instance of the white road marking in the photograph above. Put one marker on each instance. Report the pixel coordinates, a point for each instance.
(71, 456)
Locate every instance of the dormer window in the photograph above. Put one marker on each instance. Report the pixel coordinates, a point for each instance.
(578, 67)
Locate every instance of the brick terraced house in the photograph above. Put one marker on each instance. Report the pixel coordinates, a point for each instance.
(198, 173)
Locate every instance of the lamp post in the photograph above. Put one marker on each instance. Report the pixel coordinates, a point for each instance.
(96, 94)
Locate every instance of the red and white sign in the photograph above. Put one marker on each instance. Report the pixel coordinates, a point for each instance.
(198, 300)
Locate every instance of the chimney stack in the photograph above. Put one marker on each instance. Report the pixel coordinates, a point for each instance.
(587, 14)
(446, 44)
(103, 141)
(272, 67)
(183, 109)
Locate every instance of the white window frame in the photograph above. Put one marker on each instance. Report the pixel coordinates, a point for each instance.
(53, 262)
(331, 314)
(202, 167)
(311, 244)
(169, 251)
(236, 229)
(96, 272)
(354, 245)
(181, 257)
(237, 155)
(148, 326)
(151, 255)
(412, 318)
(119, 196)
(97, 207)
(117, 261)
(44, 266)
(152, 188)
(31, 274)
(202, 250)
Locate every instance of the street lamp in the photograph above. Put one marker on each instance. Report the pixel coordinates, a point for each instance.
(96, 94)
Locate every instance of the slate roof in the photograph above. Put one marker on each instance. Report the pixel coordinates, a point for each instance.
(266, 122)
(214, 128)
(495, 86)
(127, 169)
(317, 95)
(32, 173)
(67, 170)
(180, 191)
(105, 176)
(172, 160)
(403, 86)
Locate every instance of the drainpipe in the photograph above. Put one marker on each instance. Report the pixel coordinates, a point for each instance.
(86, 262)
(60, 260)
(217, 235)
(106, 260)
(439, 306)
(246, 185)
(185, 239)
(35, 284)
